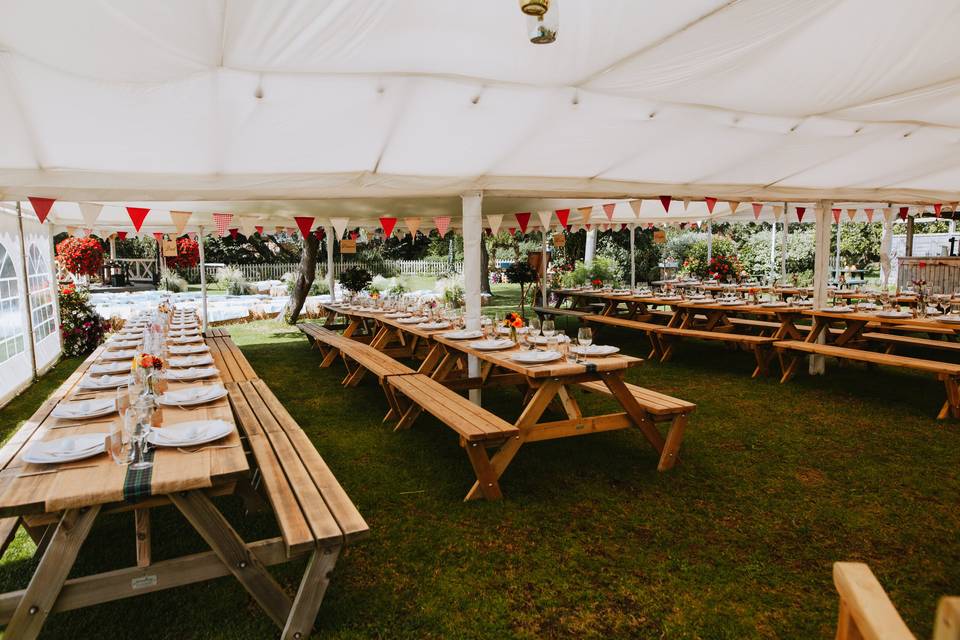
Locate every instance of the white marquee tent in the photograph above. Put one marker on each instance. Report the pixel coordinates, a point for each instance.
(339, 109)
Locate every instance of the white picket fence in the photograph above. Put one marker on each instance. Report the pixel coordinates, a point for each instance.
(256, 272)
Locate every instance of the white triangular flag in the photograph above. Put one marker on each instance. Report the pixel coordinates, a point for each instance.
(777, 212)
(339, 226)
(545, 217)
(494, 221)
(90, 212)
(412, 224)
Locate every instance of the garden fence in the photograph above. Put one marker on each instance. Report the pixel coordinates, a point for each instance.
(275, 271)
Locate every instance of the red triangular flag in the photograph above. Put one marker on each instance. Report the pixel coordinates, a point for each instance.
(608, 210)
(869, 214)
(757, 206)
(388, 224)
(711, 203)
(122, 235)
(318, 234)
(800, 212)
(354, 235)
(623, 226)
(234, 233)
(512, 230)
(137, 216)
(259, 228)
(563, 215)
(522, 220)
(587, 227)
(665, 201)
(304, 223)
(836, 215)
(41, 206)
(903, 212)
(158, 236)
(936, 209)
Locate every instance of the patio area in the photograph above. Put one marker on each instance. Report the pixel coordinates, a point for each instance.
(776, 483)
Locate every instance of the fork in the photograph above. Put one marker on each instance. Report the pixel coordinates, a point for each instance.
(217, 446)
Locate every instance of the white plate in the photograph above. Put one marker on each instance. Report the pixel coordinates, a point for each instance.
(952, 319)
(535, 357)
(110, 367)
(433, 325)
(803, 303)
(462, 334)
(191, 361)
(397, 314)
(732, 303)
(188, 434)
(412, 320)
(85, 409)
(843, 309)
(192, 396)
(895, 314)
(65, 449)
(186, 340)
(562, 337)
(773, 305)
(703, 301)
(643, 292)
(104, 382)
(188, 348)
(195, 373)
(118, 345)
(671, 298)
(119, 355)
(505, 331)
(868, 306)
(494, 344)
(595, 350)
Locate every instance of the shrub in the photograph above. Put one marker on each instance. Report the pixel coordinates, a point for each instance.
(602, 269)
(696, 261)
(355, 279)
(318, 288)
(188, 254)
(451, 290)
(170, 281)
(678, 246)
(82, 329)
(81, 256)
(233, 280)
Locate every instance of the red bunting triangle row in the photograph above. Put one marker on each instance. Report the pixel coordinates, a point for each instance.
(836, 215)
(388, 224)
(41, 206)
(563, 215)
(936, 209)
(304, 223)
(523, 219)
(800, 212)
(608, 210)
(137, 216)
(122, 235)
(711, 203)
(665, 201)
(903, 212)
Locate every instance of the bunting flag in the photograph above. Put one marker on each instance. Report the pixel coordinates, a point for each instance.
(563, 215)
(777, 212)
(869, 214)
(277, 230)
(887, 214)
(585, 213)
(522, 220)
(609, 208)
(512, 230)
(494, 221)
(623, 226)
(903, 213)
(193, 235)
(836, 215)
(122, 235)
(733, 206)
(545, 217)
(158, 236)
(222, 222)
(757, 207)
(90, 212)
(354, 235)
(87, 232)
(388, 224)
(851, 214)
(937, 208)
(234, 233)
(665, 201)
(686, 203)
(442, 224)
(711, 203)
(339, 226)
(304, 224)
(137, 216)
(246, 226)
(291, 231)
(72, 232)
(259, 229)
(800, 211)
(180, 219)
(412, 224)
(41, 206)
(318, 234)
(636, 206)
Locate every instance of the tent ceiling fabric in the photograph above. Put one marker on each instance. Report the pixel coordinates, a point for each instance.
(771, 100)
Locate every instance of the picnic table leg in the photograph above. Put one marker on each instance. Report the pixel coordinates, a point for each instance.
(671, 448)
(639, 416)
(313, 586)
(234, 553)
(141, 519)
(432, 360)
(8, 531)
(951, 407)
(487, 480)
(48, 579)
(329, 357)
(526, 422)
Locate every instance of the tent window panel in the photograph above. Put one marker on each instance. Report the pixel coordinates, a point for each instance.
(41, 294)
(11, 330)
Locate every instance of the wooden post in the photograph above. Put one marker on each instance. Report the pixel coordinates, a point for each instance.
(908, 250)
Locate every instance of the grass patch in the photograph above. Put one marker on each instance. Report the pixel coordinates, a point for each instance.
(776, 482)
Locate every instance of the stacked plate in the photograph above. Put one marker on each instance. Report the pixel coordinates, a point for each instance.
(192, 396)
(119, 355)
(85, 409)
(463, 334)
(952, 319)
(194, 373)
(397, 314)
(595, 350)
(412, 320)
(894, 314)
(104, 382)
(841, 309)
(732, 303)
(670, 298)
(117, 345)
(491, 344)
(191, 361)
(65, 449)
(774, 305)
(179, 350)
(535, 357)
(562, 337)
(189, 434)
(110, 367)
(702, 300)
(433, 325)
(186, 339)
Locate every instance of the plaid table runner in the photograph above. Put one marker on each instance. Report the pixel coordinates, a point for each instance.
(136, 484)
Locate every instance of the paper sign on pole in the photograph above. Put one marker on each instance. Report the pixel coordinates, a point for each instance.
(659, 237)
(169, 248)
(348, 246)
(559, 240)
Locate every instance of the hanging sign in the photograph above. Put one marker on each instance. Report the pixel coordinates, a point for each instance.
(559, 240)
(169, 248)
(348, 246)
(659, 237)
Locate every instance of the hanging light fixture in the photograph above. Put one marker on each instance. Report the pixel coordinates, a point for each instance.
(534, 7)
(542, 29)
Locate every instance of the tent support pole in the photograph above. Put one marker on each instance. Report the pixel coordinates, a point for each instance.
(591, 247)
(773, 249)
(821, 268)
(709, 240)
(25, 281)
(886, 246)
(203, 279)
(633, 255)
(472, 237)
(908, 249)
(331, 281)
(113, 246)
(836, 273)
(543, 267)
(783, 248)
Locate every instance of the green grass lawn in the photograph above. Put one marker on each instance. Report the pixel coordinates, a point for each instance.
(776, 482)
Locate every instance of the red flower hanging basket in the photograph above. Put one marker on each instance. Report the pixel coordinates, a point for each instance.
(81, 256)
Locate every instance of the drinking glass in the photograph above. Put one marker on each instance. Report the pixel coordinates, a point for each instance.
(585, 336)
(534, 325)
(137, 426)
(548, 329)
(115, 438)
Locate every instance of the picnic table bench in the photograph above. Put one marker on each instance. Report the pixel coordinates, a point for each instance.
(227, 357)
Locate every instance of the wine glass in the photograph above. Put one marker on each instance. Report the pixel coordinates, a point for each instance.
(584, 339)
(548, 329)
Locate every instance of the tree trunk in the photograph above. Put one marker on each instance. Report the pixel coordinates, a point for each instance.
(308, 269)
(484, 267)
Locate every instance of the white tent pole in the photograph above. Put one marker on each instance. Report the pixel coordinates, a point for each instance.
(203, 278)
(633, 256)
(472, 237)
(543, 267)
(783, 248)
(709, 241)
(886, 245)
(773, 248)
(591, 248)
(837, 260)
(25, 296)
(331, 281)
(821, 267)
(113, 246)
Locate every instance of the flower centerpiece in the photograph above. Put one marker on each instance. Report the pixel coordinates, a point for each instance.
(596, 283)
(514, 321)
(920, 287)
(146, 369)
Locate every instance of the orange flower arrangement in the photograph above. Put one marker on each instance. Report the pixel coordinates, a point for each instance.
(147, 361)
(513, 320)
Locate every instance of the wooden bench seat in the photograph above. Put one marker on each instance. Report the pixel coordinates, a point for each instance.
(554, 311)
(313, 512)
(233, 365)
(660, 408)
(477, 427)
(893, 340)
(947, 372)
(761, 346)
